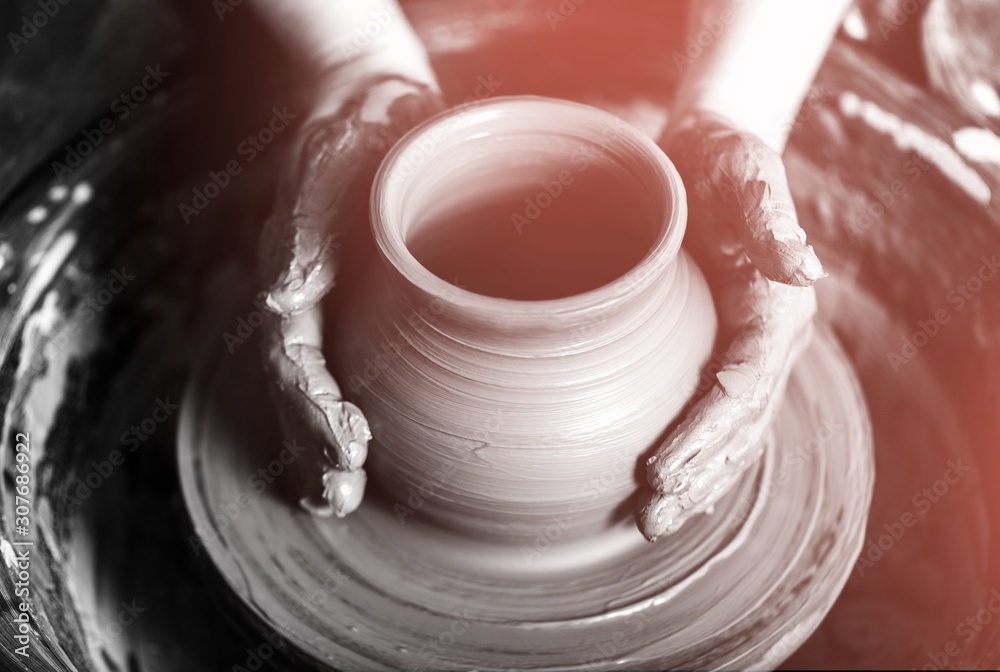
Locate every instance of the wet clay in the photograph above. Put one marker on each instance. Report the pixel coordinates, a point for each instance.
(511, 361)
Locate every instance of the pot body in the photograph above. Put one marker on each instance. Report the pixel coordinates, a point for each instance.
(532, 327)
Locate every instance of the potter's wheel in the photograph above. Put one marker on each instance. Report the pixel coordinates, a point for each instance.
(742, 587)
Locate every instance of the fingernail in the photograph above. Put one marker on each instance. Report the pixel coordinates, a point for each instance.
(736, 381)
(654, 475)
(807, 268)
(355, 454)
(656, 517)
(344, 490)
(786, 259)
(316, 508)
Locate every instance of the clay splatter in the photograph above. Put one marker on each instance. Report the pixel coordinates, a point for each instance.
(907, 136)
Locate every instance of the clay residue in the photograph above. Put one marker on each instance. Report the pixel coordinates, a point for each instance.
(978, 144)
(910, 137)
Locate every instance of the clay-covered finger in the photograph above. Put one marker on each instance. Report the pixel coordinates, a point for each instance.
(770, 230)
(342, 492)
(661, 513)
(322, 204)
(324, 197)
(310, 404)
(299, 251)
(719, 437)
(740, 201)
(706, 456)
(300, 367)
(722, 433)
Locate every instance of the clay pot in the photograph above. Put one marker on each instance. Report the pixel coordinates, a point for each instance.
(532, 328)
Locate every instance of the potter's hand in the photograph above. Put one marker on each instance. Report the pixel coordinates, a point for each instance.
(325, 194)
(367, 100)
(744, 233)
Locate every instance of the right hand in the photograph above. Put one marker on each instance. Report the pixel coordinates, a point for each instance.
(745, 234)
(324, 194)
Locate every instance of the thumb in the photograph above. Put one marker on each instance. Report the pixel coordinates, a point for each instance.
(767, 224)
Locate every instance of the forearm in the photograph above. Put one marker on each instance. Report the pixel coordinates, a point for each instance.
(759, 62)
(348, 42)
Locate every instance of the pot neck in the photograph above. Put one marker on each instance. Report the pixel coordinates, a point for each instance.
(462, 154)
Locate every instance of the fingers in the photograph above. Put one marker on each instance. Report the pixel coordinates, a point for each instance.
(315, 392)
(300, 247)
(739, 194)
(299, 255)
(309, 404)
(722, 435)
(323, 203)
(746, 235)
(324, 197)
(765, 219)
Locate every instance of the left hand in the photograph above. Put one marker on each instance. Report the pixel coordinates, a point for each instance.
(325, 196)
(744, 233)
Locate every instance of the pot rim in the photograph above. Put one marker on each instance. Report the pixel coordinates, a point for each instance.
(576, 120)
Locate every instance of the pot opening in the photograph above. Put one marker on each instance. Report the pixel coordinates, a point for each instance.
(536, 224)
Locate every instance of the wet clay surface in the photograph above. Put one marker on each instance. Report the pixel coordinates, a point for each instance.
(897, 270)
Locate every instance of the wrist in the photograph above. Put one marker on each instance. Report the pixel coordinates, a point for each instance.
(763, 115)
(759, 63)
(405, 63)
(346, 43)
